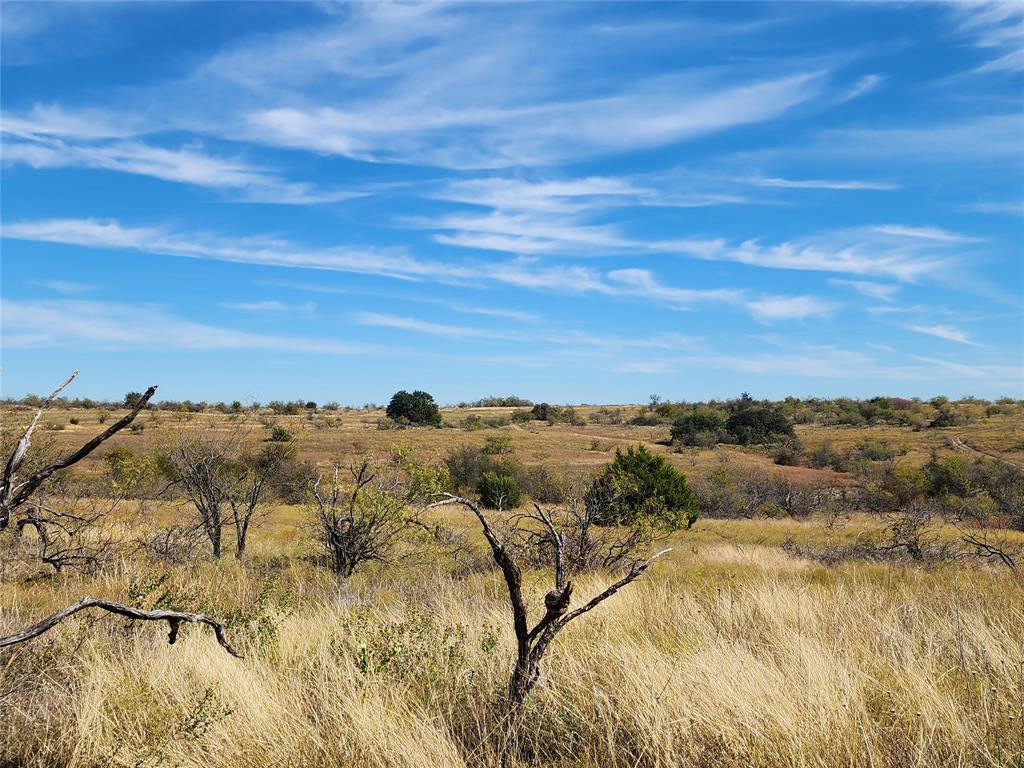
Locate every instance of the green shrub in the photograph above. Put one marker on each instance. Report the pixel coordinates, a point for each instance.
(414, 408)
(279, 434)
(824, 457)
(758, 425)
(639, 484)
(498, 444)
(542, 485)
(789, 453)
(645, 420)
(701, 427)
(499, 491)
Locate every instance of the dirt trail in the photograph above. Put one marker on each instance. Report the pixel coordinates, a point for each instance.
(963, 446)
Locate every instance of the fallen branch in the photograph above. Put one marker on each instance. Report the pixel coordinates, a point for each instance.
(173, 619)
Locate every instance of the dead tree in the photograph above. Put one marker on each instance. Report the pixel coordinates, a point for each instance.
(200, 468)
(17, 504)
(14, 495)
(361, 521)
(532, 644)
(256, 474)
(225, 483)
(70, 532)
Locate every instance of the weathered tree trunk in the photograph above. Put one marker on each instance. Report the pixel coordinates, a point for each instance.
(532, 644)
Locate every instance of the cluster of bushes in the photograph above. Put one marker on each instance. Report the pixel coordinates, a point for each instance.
(743, 421)
(495, 473)
(475, 421)
(552, 414)
(956, 486)
(746, 492)
(493, 401)
(636, 486)
(843, 411)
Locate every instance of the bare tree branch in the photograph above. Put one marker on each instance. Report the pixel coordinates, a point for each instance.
(634, 572)
(21, 450)
(12, 497)
(531, 644)
(173, 619)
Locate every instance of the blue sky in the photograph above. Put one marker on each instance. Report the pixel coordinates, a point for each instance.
(574, 203)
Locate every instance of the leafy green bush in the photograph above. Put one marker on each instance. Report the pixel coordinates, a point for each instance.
(758, 425)
(279, 434)
(499, 491)
(788, 453)
(699, 427)
(498, 444)
(645, 420)
(414, 408)
(542, 485)
(824, 457)
(639, 484)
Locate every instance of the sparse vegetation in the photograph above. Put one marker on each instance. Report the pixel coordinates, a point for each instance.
(860, 598)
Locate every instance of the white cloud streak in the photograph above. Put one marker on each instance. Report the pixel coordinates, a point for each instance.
(41, 146)
(108, 325)
(948, 332)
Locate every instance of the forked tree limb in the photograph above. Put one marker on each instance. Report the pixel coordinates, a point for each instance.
(173, 619)
(21, 449)
(12, 497)
(509, 568)
(633, 574)
(533, 643)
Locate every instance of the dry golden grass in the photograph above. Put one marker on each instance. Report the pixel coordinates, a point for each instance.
(730, 652)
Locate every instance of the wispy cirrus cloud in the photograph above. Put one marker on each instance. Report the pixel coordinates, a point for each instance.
(67, 141)
(642, 283)
(925, 233)
(564, 338)
(835, 184)
(111, 325)
(769, 308)
(269, 305)
(522, 272)
(994, 26)
(984, 137)
(416, 86)
(904, 253)
(1009, 376)
(66, 287)
(455, 306)
(101, 233)
(880, 291)
(948, 332)
(678, 109)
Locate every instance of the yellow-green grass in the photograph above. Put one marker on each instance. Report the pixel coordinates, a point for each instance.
(730, 652)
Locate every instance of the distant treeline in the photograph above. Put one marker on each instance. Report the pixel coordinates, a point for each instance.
(689, 418)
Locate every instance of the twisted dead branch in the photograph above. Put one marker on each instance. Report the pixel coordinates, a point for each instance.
(173, 619)
(13, 495)
(532, 644)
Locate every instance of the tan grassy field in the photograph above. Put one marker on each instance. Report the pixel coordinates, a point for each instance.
(729, 652)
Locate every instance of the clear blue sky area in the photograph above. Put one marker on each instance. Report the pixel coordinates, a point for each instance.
(568, 202)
